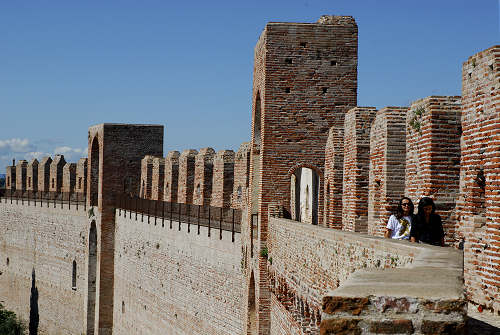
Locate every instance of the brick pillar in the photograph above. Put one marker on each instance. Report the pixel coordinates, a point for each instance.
(387, 166)
(305, 79)
(115, 153)
(203, 174)
(334, 160)
(32, 176)
(69, 178)
(479, 214)
(44, 174)
(146, 177)
(21, 168)
(56, 174)
(241, 176)
(433, 155)
(186, 176)
(171, 183)
(357, 125)
(81, 177)
(10, 178)
(223, 179)
(158, 178)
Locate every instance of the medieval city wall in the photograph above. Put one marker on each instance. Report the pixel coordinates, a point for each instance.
(41, 243)
(171, 281)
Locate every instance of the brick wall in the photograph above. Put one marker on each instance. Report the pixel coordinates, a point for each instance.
(223, 179)
(292, 112)
(32, 175)
(158, 178)
(69, 178)
(186, 176)
(171, 176)
(306, 262)
(433, 130)
(42, 242)
(387, 166)
(479, 178)
(241, 176)
(146, 177)
(44, 174)
(357, 127)
(176, 282)
(56, 173)
(203, 174)
(21, 167)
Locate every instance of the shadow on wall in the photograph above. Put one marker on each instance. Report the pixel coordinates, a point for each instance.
(34, 317)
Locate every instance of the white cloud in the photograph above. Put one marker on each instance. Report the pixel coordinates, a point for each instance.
(15, 145)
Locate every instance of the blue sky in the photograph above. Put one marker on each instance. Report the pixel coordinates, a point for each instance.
(67, 65)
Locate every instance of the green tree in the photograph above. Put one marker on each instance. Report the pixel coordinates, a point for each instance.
(9, 323)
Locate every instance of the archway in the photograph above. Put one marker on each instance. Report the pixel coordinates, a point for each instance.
(256, 155)
(304, 186)
(94, 172)
(91, 280)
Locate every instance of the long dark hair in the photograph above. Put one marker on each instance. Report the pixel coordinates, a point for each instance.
(425, 201)
(399, 210)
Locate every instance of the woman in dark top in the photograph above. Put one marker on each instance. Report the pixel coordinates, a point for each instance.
(428, 227)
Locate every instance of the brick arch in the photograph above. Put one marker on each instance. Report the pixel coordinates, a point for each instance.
(94, 171)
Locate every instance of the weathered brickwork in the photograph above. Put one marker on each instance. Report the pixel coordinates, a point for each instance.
(203, 176)
(81, 176)
(292, 113)
(357, 127)
(186, 176)
(32, 176)
(239, 198)
(44, 174)
(21, 167)
(69, 178)
(433, 130)
(479, 200)
(334, 160)
(158, 178)
(387, 166)
(171, 176)
(175, 282)
(38, 245)
(146, 177)
(56, 174)
(223, 179)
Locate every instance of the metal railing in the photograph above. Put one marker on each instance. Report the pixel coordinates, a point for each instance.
(38, 198)
(216, 219)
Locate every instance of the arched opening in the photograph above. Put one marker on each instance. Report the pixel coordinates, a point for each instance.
(94, 172)
(91, 281)
(256, 173)
(252, 308)
(304, 187)
(73, 276)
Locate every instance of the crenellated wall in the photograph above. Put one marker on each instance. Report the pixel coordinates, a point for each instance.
(44, 174)
(170, 281)
(158, 178)
(223, 179)
(69, 178)
(203, 175)
(357, 125)
(146, 177)
(241, 176)
(387, 166)
(21, 168)
(81, 176)
(334, 161)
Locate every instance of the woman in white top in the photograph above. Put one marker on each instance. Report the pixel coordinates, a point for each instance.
(399, 224)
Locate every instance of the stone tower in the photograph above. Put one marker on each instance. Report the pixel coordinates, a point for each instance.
(305, 79)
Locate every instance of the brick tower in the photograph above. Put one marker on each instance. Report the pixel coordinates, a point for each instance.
(305, 79)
